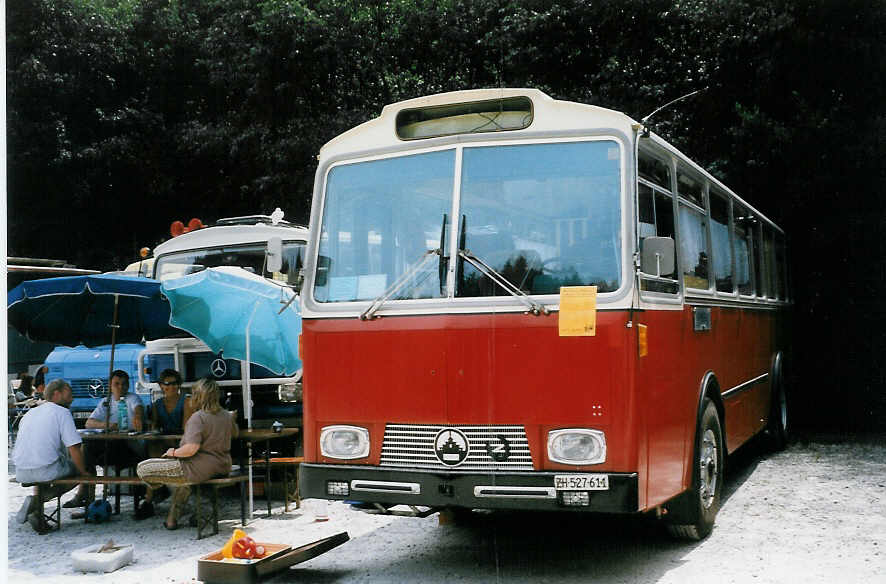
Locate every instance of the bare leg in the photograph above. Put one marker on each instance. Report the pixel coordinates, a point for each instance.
(180, 495)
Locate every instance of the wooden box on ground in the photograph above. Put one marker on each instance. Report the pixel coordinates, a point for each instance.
(214, 569)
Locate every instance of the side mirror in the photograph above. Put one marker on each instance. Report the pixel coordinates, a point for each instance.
(275, 254)
(657, 256)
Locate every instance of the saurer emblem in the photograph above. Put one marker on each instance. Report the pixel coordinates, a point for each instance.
(451, 446)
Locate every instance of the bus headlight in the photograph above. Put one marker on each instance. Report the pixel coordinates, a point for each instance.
(577, 446)
(289, 392)
(344, 442)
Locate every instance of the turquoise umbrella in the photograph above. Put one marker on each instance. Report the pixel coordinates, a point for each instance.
(241, 315)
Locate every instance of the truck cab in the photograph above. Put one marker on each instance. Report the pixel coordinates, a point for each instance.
(241, 242)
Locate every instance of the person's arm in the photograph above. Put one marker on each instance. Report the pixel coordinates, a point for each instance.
(187, 410)
(137, 419)
(235, 429)
(185, 451)
(190, 442)
(98, 416)
(76, 452)
(94, 423)
(155, 419)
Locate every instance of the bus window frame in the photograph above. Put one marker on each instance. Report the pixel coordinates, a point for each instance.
(450, 303)
(715, 191)
(683, 168)
(649, 150)
(749, 235)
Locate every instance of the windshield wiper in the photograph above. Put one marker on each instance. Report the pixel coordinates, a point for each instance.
(369, 313)
(488, 271)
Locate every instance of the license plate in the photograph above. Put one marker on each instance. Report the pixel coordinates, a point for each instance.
(581, 482)
(81, 415)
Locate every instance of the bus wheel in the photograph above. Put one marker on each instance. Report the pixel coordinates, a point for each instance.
(707, 478)
(777, 428)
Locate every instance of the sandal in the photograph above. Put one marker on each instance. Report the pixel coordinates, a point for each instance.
(145, 510)
(76, 502)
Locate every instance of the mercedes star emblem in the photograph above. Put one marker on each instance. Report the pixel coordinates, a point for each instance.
(218, 368)
(95, 387)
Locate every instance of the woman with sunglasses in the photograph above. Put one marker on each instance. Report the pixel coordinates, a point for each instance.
(170, 412)
(168, 416)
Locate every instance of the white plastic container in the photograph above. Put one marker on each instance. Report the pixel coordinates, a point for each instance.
(89, 560)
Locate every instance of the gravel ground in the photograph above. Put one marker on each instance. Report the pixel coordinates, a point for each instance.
(815, 513)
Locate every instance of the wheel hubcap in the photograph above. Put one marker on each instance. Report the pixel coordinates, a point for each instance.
(709, 468)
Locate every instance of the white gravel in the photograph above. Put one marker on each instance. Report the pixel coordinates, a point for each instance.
(815, 513)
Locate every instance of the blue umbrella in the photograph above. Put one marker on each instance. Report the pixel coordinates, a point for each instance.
(241, 315)
(93, 310)
(100, 309)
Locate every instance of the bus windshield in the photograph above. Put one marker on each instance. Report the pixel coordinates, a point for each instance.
(249, 257)
(541, 215)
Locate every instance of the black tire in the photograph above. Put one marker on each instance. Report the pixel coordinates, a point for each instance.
(777, 427)
(703, 499)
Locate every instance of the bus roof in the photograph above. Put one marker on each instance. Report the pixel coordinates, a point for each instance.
(550, 115)
(222, 235)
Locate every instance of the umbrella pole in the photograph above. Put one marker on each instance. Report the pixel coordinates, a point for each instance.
(247, 404)
(114, 326)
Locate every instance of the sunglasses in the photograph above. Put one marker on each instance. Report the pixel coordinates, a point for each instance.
(170, 383)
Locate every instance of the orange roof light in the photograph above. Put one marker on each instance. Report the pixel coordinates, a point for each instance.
(177, 228)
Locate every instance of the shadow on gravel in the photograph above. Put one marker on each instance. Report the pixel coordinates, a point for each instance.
(519, 546)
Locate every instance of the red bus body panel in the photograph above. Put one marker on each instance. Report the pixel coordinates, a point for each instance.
(514, 368)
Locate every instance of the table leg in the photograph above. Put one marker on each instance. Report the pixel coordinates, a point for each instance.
(268, 475)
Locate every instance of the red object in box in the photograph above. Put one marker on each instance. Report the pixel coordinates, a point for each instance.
(214, 569)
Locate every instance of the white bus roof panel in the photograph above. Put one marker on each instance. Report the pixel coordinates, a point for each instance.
(549, 115)
(223, 235)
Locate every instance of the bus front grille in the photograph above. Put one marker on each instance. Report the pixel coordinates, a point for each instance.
(90, 387)
(412, 445)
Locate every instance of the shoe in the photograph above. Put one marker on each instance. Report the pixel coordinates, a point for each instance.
(144, 511)
(161, 494)
(167, 526)
(38, 524)
(27, 509)
(76, 502)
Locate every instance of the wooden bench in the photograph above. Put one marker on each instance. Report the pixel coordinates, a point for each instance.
(289, 464)
(215, 484)
(56, 516)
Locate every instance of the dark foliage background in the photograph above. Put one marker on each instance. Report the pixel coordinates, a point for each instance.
(124, 115)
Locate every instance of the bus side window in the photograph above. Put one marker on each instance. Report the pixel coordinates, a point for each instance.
(656, 214)
(722, 247)
(693, 248)
(744, 249)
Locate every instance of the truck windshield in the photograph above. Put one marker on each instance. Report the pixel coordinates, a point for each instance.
(541, 215)
(249, 257)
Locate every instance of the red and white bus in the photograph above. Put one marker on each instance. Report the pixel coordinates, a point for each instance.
(524, 303)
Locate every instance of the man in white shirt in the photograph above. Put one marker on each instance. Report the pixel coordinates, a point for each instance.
(122, 454)
(135, 411)
(48, 447)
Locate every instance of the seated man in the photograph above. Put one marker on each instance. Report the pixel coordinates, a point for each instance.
(48, 447)
(123, 453)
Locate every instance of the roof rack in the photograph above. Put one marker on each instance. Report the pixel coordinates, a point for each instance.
(253, 220)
